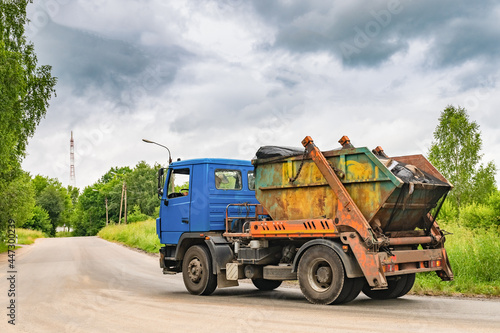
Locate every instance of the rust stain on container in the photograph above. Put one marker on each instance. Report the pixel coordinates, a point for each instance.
(376, 191)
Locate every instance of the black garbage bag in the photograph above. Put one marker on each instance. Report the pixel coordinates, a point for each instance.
(276, 151)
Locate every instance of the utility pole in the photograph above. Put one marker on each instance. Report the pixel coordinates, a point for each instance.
(106, 201)
(121, 203)
(125, 186)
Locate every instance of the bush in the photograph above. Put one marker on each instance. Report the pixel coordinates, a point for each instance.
(137, 215)
(477, 216)
(448, 212)
(39, 221)
(494, 202)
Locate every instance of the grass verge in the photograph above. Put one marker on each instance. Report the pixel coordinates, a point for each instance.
(141, 235)
(64, 234)
(27, 236)
(475, 262)
(3, 247)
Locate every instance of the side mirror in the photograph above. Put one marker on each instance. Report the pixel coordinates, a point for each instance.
(161, 181)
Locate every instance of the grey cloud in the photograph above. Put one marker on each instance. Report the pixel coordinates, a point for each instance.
(238, 112)
(468, 40)
(86, 61)
(369, 33)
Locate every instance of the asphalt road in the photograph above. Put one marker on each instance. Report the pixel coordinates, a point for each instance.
(90, 285)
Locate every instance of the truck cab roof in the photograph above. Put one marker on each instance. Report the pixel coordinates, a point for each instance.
(211, 161)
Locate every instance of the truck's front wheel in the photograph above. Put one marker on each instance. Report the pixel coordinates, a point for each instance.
(197, 271)
(321, 275)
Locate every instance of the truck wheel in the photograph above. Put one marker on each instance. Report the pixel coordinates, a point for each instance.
(197, 271)
(394, 289)
(351, 290)
(266, 285)
(409, 284)
(321, 275)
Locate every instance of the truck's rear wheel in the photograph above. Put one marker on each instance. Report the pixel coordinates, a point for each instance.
(321, 275)
(197, 271)
(410, 281)
(266, 285)
(394, 289)
(351, 290)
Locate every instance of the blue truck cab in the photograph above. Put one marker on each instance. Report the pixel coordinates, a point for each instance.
(194, 195)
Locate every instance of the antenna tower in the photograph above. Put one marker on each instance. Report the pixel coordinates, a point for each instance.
(72, 180)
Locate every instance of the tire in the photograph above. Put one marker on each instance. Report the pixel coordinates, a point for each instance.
(394, 289)
(321, 275)
(409, 284)
(266, 285)
(197, 271)
(351, 290)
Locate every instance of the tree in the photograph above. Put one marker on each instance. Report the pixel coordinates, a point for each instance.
(142, 201)
(39, 221)
(90, 215)
(25, 90)
(17, 201)
(455, 151)
(484, 183)
(142, 187)
(55, 199)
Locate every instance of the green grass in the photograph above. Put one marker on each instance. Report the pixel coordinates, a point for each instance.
(64, 234)
(3, 247)
(475, 260)
(27, 237)
(141, 235)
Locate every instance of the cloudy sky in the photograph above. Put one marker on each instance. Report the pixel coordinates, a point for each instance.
(220, 78)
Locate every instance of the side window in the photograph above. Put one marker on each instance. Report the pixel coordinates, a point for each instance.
(228, 179)
(178, 183)
(251, 180)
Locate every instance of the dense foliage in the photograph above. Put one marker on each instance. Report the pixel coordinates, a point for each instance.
(456, 152)
(139, 185)
(44, 204)
(25, 91)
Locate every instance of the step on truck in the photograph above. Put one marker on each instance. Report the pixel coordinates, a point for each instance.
(340, 221)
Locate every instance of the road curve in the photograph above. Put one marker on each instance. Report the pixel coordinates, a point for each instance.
(86, 284)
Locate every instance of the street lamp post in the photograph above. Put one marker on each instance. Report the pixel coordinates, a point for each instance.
(169, 155)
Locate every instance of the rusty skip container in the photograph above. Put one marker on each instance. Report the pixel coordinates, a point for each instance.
(394, 194)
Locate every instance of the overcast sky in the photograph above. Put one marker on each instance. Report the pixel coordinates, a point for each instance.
(222, 78)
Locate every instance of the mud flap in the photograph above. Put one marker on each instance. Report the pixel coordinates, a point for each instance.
(223, 282)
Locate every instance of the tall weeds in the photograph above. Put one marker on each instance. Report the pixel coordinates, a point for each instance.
(141, 235)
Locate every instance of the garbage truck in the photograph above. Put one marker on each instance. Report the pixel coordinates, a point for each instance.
(341, 222)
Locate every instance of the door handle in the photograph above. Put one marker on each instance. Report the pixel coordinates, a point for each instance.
(185, 221)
